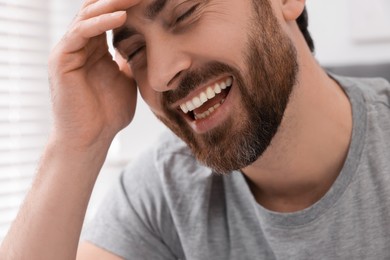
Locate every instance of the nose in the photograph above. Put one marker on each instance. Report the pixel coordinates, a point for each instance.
(166, 60)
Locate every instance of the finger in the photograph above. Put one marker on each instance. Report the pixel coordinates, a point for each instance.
(96, 51)
(88, 2)
(82, 31)
(105, 6)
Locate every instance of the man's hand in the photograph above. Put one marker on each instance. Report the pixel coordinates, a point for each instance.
(92, 99)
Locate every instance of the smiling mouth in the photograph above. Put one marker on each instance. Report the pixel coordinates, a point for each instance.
(207, 101)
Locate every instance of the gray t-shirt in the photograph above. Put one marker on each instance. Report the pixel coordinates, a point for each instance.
(167, 206)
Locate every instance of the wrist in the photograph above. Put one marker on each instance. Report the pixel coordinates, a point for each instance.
(65, 151)
(72, 142)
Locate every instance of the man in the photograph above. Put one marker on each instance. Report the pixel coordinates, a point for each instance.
(279, 159)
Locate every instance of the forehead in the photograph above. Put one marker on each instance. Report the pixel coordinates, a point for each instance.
(149, 8)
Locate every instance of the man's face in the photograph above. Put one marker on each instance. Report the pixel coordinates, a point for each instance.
(218, 73)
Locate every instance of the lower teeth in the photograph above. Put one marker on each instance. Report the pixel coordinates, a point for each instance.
(209, 111)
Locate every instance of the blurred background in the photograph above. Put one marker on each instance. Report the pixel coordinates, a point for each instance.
(351, 38)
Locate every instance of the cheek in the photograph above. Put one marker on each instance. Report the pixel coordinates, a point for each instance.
(221, 38)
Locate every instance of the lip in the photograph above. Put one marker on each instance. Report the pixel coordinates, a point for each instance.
(198, 90)
(220, 115)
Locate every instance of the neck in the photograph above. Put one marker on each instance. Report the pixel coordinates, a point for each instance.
(308, 152)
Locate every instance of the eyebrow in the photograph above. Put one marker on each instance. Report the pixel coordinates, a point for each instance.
(151, 12)
(153, 9)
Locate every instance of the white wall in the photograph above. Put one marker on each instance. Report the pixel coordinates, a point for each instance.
(335, 25)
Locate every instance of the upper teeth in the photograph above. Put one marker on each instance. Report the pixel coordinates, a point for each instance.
(207, 94)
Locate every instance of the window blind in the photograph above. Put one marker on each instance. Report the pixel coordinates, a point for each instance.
(27, 31)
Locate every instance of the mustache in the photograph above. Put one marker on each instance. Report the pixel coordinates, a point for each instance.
(192, 79)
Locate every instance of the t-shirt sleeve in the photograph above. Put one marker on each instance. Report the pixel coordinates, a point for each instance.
(133, 221)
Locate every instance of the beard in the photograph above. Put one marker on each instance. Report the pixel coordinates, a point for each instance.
(265, 87)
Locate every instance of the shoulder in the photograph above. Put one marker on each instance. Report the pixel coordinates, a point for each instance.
(375, 91)
(168, 156)
(370, 98)
(164, 168)
(135, 220)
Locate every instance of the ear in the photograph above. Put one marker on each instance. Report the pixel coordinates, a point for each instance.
(292, 9)
(123, 66)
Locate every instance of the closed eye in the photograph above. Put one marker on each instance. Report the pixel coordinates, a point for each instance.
(133, 54)
(187, 14)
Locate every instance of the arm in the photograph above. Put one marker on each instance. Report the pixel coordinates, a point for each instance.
(92, 101)
(90, 251)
